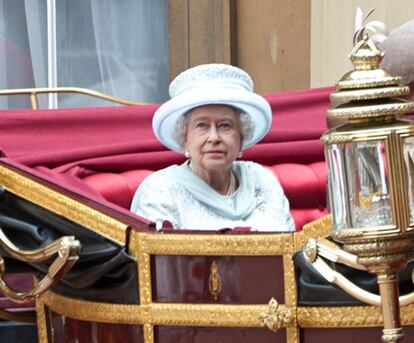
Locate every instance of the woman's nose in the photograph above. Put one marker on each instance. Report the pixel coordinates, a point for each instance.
(213, 134)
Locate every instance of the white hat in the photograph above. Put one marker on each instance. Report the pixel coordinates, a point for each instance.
(211, 84)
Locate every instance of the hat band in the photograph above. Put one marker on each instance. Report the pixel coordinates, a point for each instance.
(200, 85)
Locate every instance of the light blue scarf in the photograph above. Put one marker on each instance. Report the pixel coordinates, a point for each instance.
(237, 206)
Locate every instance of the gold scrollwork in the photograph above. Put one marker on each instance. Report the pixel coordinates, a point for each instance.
(365, 83)
(370, 93)
(216, 245)
(276, 318)
(320, 228)
(341, 235)
(380, 247)
(214, 281)
(329, 139)
(373, 111)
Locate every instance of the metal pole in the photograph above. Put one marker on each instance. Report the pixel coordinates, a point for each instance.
(388, 287)
(51, 51)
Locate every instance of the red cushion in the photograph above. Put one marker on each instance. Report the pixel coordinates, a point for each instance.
(118, 188)
(302, 216)
(304, 186)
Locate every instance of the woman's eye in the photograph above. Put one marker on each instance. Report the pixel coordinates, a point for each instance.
(225, 126)
(201, 125)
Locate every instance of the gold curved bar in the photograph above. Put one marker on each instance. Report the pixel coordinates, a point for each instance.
(330, 251)
(406, 299)
(334, 277)
(313, 248)
(37, 255)
(67, 249)
(24, 317)
(32, 93)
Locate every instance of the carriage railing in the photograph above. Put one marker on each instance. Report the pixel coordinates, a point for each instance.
(33, 94)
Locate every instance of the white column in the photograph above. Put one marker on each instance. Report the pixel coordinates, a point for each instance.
(51, 51)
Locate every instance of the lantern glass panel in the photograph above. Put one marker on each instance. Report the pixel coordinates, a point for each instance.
(408, 149)
(358, 184)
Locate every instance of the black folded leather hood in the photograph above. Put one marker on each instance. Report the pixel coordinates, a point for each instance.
(314, 290)
(104, 271)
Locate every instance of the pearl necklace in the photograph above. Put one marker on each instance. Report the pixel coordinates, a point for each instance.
(232, 183)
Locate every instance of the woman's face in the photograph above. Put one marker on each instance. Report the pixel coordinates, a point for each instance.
(213, 137)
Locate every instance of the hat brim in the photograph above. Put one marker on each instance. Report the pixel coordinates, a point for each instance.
(167, 115)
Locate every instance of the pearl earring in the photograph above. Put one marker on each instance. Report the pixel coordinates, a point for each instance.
(187, 153)
(240, 155)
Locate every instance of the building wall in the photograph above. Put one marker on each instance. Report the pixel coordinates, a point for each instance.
(332, 27)
(273, 43)
(284, 45)
(268, 38)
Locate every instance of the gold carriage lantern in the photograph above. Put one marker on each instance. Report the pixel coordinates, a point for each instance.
(371, 182)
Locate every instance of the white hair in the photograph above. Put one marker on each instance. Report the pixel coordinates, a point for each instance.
(246, 127)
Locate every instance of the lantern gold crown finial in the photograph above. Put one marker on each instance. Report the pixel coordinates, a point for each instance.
(368, 92)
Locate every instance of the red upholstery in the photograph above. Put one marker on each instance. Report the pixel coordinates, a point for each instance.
(118, 188)
(304, 185)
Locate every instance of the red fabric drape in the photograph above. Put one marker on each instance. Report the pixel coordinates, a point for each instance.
(83, 141)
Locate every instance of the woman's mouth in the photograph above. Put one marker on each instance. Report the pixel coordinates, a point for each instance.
(215, 152)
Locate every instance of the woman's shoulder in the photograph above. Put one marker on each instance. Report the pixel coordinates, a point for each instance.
(255, 171)
(251, 167)
(157, 187)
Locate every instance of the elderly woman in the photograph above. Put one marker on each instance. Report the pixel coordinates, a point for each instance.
(212, 116)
